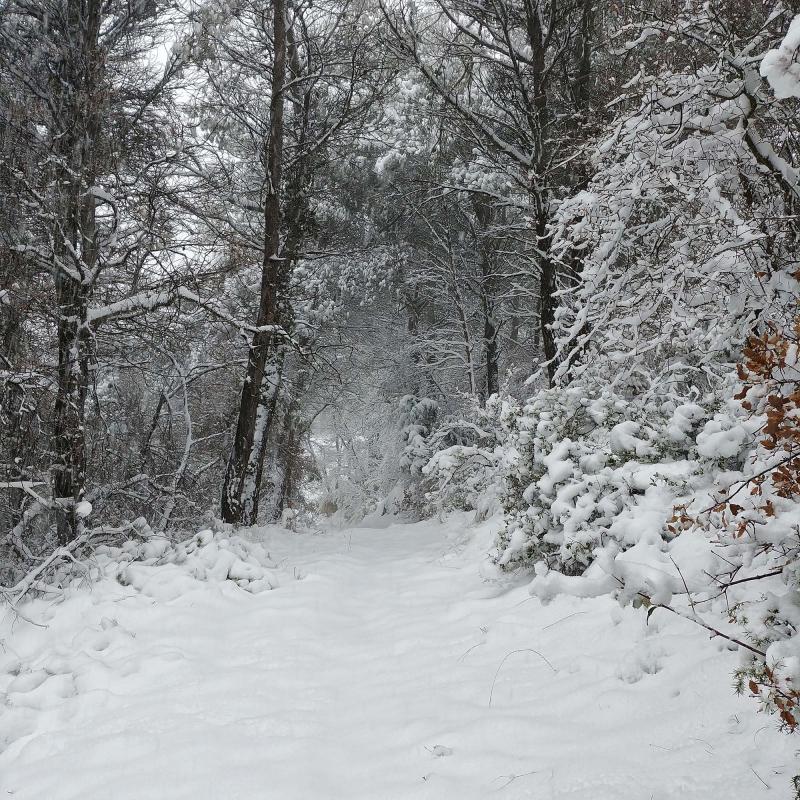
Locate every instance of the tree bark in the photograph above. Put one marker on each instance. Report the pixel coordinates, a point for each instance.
(69, 440)
(13, 413)
(80, 93)
(240, 489)
(547, 298)
(487, 290)
(491, 351)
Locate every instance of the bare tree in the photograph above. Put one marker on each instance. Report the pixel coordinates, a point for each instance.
(79, 175)
(515, 79)
(322, 76)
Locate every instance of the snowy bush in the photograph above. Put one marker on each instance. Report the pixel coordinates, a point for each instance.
(416, 418)
(690, 508)
(755, 525)
(652, 471)
(151, 564)
(468, 455)
(381, 471)
(161, 566)
(781, 67)
(591, 471)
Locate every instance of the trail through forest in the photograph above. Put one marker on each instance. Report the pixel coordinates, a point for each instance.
(386, 665)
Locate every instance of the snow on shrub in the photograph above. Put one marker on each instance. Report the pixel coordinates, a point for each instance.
(755, 526)
(781, 67)
(151, 564)
(597, 472)
(689, 508)
(164, 569)
(468, 459)
(417, 416)
(385, 461)
(643, 474)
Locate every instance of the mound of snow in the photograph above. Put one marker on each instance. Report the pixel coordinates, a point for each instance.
(164, 569)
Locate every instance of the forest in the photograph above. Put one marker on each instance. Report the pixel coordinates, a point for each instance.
(286, 284)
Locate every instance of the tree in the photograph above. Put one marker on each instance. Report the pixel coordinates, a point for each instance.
(323, 78)
(89, 167)
(688, 229)
(515, 79)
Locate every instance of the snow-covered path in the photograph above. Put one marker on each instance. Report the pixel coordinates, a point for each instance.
(389, 669)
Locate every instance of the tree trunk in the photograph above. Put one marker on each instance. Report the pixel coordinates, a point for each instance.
(13, 413)
(269, 442)
(539, 121)
(80, 92)
(69, 439)
(491, 351)
(547, 298)
(275, 464)
(487, 289)
(461, 314)
(241, 484)
(283, 461)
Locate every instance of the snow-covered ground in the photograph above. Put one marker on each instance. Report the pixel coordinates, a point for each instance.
(388, 664)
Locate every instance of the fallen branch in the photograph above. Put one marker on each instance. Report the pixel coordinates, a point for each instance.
(14, 595)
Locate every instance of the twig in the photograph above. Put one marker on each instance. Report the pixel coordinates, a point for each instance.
(702, 623)
(507, 656)
(512, 778)
(563, 619)
(469, 650)
(760, 778)
(745, 483)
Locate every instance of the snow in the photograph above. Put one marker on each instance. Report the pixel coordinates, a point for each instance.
(781, 67)
(718, 441)
(389, 663)
(83, 509)
(624, 439)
